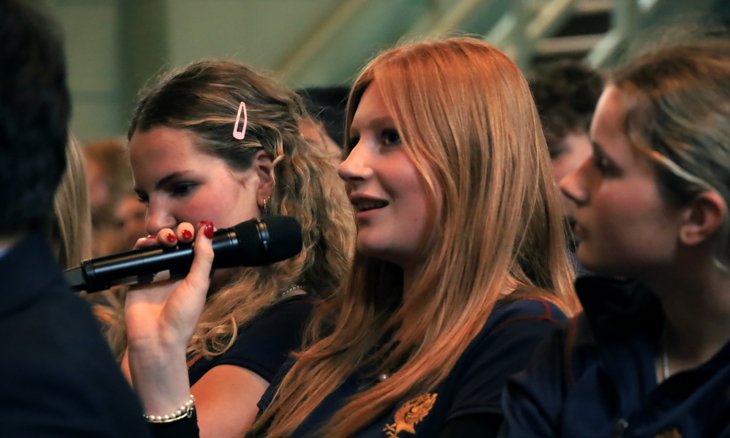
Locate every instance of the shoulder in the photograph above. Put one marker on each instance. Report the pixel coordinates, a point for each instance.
(291, 306)
(503, 347)
(264, 343)
(515, 312)
(513, 330)
(280, 319)
(533, 399)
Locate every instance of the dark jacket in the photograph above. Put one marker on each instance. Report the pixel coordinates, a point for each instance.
(58, 376)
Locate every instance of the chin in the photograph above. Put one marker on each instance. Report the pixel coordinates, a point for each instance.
(367, 245)
(374, 252)
(584, 258)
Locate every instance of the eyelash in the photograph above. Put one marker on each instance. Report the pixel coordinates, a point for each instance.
(351, 143)
(603, 165)
(390, 137)
(179, 190)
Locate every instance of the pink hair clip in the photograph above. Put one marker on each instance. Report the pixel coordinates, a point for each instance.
(240, 134)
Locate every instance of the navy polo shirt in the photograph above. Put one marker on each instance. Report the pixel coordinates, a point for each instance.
(596, 376)
(474, 386)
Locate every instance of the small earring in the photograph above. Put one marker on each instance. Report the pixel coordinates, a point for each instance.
(265, 207)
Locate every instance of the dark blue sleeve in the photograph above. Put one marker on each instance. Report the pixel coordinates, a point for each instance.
(265, 344)
(532, 400)
(504, 347)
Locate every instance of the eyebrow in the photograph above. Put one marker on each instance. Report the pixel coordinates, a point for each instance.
(377, 121)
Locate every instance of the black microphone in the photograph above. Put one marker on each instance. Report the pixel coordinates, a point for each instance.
(251, 243)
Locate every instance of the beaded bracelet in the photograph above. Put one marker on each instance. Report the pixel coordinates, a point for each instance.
(185, 411)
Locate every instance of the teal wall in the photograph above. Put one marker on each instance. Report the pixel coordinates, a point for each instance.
(115, 46)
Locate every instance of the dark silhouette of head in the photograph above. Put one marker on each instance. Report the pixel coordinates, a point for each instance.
(34, 113)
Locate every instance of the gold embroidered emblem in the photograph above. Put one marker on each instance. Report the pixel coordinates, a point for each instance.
(674, 433)
(411, 413)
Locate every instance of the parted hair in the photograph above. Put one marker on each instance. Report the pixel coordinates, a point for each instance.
(678, 115)
(469, 125)
(34, 112)
(203, 98)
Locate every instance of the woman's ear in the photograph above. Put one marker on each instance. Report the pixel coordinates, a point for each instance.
(703, 217)
(263, 165)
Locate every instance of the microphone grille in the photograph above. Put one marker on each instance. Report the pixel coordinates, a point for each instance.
(276, 238)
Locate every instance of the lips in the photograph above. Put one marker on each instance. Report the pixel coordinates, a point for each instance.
(369, 205)
(365, 203)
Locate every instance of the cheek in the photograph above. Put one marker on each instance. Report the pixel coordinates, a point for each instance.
(635, 221)
(616, 211)
(205, 204)
(416, 211)
(228, 205)
(196, 209)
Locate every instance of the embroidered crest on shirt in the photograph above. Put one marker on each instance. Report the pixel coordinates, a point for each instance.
(411, 413)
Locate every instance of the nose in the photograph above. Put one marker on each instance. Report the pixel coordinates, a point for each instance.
(158, 217)
(573, 185)
(356, 165)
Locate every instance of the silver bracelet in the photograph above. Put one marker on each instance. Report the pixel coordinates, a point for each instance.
(186, 410)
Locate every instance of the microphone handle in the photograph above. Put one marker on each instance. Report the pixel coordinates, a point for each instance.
(130, 267)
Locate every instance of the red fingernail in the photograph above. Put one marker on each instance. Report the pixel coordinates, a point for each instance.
(187, 234)
(171, 238)
(208, 230)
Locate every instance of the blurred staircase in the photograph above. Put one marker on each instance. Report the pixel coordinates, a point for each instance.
(534, 31)
(530, 31)
(582, 29)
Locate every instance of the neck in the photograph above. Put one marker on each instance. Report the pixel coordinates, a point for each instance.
(696, 304)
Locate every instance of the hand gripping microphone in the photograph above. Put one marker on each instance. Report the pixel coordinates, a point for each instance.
(251, 243)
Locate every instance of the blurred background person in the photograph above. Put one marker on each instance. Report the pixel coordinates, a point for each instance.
(130, 219)
(109, 179)
(566, 93)
(327, 106)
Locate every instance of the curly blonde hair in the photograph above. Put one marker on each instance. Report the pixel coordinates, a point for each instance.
(203, 98)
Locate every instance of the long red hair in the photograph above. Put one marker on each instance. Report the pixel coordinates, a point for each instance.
(469, 125)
